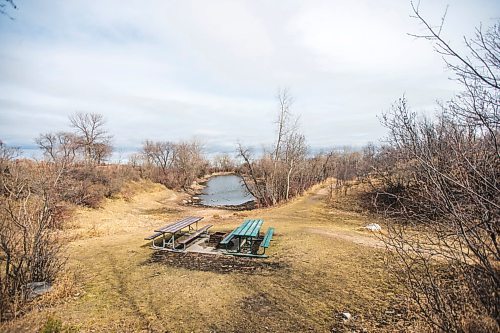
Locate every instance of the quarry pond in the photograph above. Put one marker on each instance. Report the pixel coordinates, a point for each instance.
(225, 190)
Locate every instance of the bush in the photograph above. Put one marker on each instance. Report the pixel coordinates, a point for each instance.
(52, 325)
(441, 175)
(29, 242)
(89, 185)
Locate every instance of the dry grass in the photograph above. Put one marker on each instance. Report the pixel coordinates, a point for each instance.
(332, 267)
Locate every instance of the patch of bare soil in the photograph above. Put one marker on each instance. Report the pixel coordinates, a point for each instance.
(161, 210)
(262, 305)
(222, 264)
(351, 237)
(395, 318)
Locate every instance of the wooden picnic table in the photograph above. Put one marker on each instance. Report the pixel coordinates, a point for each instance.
(175, 228)
(248, 234)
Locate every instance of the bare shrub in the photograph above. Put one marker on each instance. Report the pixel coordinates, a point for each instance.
(87, 185)
(444, 181)
(175, 165)
(37, 197)
(29, 245)
(75, 158)
(90, 142)
(441, 175)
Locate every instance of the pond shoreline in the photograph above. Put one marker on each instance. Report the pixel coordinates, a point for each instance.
(196, 190)
(249, 205)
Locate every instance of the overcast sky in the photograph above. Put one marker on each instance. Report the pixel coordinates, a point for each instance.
(171, 70)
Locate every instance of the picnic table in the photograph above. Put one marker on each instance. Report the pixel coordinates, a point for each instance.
(175, 230)
(246, 239)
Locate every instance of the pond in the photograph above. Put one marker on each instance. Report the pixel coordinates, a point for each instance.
(225, 190)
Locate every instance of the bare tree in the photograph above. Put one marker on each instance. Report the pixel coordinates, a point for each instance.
(286, 136)
(275, 175)
(7, 154)
(295, 153)
(102, 151)
(189, 161)
(442, 175)
(95, 139)
(481, 63)
(5, 6)
(256, 182)
(60, 147)
(224, 162)
(174, 165)
(450, 189)
(160, 153)
(283, 121)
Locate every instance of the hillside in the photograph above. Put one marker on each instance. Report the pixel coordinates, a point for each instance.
(321, 264)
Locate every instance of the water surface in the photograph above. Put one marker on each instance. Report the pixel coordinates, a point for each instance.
(225, 190)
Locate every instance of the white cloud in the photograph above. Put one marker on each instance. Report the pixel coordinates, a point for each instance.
(175, 69)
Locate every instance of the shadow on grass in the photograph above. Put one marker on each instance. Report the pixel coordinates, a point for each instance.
(222, 264)
(161, 211)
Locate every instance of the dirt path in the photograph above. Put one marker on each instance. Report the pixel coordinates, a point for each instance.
(350, 237)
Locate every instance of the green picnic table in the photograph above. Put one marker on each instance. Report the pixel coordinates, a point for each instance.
(246, 237)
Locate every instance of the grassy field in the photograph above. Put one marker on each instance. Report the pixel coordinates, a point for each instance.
(325, 265)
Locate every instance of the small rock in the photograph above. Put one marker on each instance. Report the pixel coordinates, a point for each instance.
(373, 227)
(346, 315)
(37, 288)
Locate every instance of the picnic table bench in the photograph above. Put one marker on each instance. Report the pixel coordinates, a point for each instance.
(194, 235)
(266, 241)
(153, 236)
(175, 229)
(245, 238)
